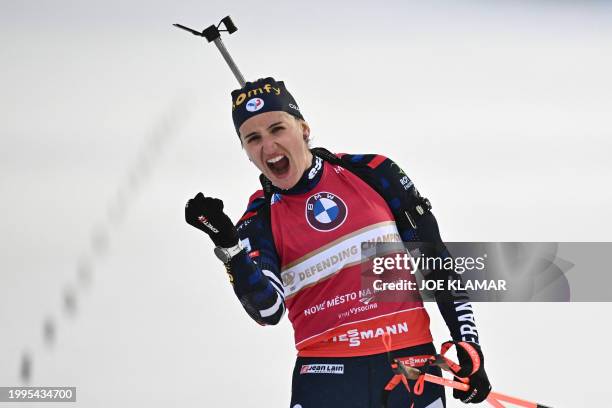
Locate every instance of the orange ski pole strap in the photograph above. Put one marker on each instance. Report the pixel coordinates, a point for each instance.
(396, 367)
(465, 370)
(402, 374)
(446, 382)
(470, 370)
(398, 375)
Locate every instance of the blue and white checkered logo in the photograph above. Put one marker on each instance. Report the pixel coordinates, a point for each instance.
(325, 211)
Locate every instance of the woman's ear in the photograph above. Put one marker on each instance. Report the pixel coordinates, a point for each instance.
(305, 130)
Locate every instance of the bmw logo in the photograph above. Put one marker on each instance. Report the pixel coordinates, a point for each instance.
(255, 104)
(325, 211)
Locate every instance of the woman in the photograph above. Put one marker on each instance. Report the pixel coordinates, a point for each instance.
(297, 248)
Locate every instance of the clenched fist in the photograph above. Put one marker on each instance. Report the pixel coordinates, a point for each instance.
(206, 214)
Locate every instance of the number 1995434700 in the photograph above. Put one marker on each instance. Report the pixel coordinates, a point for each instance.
(40, 394)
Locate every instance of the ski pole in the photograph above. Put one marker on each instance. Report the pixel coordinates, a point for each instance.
(497, 396)
(494, 397)
(444, 363)
(495, 403)
(213, 34)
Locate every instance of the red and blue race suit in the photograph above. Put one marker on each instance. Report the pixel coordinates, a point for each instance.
(304, 256)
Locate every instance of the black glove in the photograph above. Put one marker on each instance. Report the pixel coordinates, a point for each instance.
(471, 361)
(206, 214)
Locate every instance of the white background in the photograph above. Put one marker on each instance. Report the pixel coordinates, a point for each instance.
(499, 111)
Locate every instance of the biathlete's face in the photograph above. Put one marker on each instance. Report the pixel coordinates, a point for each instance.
(276, 143)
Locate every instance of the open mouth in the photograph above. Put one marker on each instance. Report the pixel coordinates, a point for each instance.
(279, 165)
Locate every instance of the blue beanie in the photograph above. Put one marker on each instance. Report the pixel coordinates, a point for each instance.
(263, 95)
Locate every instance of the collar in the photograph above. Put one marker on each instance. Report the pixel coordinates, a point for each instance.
(310, 178)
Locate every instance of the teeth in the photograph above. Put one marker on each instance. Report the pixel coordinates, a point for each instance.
(275, 159)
